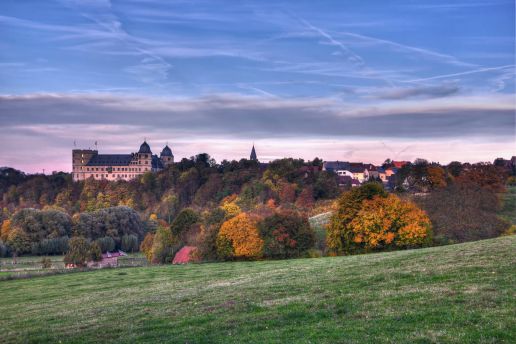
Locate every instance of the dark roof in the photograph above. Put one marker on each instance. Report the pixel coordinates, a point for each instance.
(253, 154)
(156, 162)
(144, 148)
(110, 160)
(166, 151)
(335, 165)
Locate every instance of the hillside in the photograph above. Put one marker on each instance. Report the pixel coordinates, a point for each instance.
(452, 294)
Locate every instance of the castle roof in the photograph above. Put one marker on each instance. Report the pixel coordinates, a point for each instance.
(156, 162)
(253, 154)
(145, 148)
(166, 151)
(110, 160)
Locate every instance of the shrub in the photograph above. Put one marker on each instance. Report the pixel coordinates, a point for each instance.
(242, 234)
(285, 234)
(46, 263)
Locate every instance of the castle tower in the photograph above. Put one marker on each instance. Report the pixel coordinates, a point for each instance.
(253, 154)
(144, 156)
(81, 157)
(166, 156)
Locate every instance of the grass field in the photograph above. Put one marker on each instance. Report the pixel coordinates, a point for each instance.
(452, 294)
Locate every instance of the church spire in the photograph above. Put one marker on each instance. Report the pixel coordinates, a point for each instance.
(253, 154)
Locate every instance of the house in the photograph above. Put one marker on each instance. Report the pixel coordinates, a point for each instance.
(382, 175)
(390, 171)
(399, 164)
(335, 166)
(371, 172)
(358, 170)
(109, 259)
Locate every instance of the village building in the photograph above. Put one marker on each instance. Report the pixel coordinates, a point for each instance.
(109, 259)
(87, 163)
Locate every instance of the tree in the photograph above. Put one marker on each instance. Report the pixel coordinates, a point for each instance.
(18, 241)
(241, 234)
(463, 212)
(436, 177)
(6, 228)
(146, 246)
(285, 234)
(164, 246)
(389, 222)
(95, 252)
(326, 185)
(183, 224)
(129, 243)
(79, 252)
(340, 234)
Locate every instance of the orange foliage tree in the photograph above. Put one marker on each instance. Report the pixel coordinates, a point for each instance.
(388, 222)
(146, 246)
(6, 228)
(436, 177)
(239, 238)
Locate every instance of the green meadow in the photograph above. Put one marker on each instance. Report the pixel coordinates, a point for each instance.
(461, 293)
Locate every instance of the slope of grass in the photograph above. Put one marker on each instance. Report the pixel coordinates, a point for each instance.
(508, 211)
(452, 294)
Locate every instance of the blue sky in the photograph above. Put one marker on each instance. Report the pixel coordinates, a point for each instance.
(347, 80)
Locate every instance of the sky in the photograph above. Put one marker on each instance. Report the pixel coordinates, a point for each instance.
(339, 80)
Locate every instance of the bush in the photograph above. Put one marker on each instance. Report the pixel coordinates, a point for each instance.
(242, 234)
(183, 222)
(146, 246)
(286, 235)
(4, 250)
(46, 263)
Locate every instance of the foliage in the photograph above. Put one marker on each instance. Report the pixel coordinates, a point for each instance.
(463, 212)
(242, 234)
(129, 243)
(79, 252)
(389, 222)
(5, 229)
(106, 244)
(340, 233)
(46, 263)
(146, 246)
(285, 234)
(50, 246)
(18, 241)
(184, 221)
(164, 246)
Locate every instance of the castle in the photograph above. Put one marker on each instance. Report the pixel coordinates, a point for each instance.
(89, 163)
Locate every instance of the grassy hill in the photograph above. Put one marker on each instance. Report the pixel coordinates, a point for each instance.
(454, 294)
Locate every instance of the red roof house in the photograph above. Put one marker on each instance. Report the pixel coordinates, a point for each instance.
(184, 255)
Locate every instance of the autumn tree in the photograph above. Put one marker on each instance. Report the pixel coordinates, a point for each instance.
(436, 177)
(389, 222)
(285, 234)
(339, 232)
(146, 246)
(6, 228)
(18, 241)
(79, 252)
(164, 246)
(239, 238)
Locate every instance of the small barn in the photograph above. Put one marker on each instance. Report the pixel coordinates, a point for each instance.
(184, 255)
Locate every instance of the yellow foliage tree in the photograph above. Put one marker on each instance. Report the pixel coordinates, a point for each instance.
(243, 236)
(384, 222)
(146, 246)
(6, 228)
(231, 209)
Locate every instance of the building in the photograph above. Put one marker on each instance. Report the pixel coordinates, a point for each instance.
(253, 155)
(87, 163)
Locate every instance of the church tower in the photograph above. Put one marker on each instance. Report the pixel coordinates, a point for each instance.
(253, 154)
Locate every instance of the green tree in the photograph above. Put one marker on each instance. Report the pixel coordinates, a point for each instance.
(19, 242)
(79, 252)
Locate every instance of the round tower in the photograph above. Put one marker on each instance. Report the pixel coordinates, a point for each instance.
(166, 156)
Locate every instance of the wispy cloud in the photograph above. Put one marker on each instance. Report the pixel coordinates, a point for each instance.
(473, 71)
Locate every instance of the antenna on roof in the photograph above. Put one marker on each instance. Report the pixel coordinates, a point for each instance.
(96, 145)
(74, 143)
